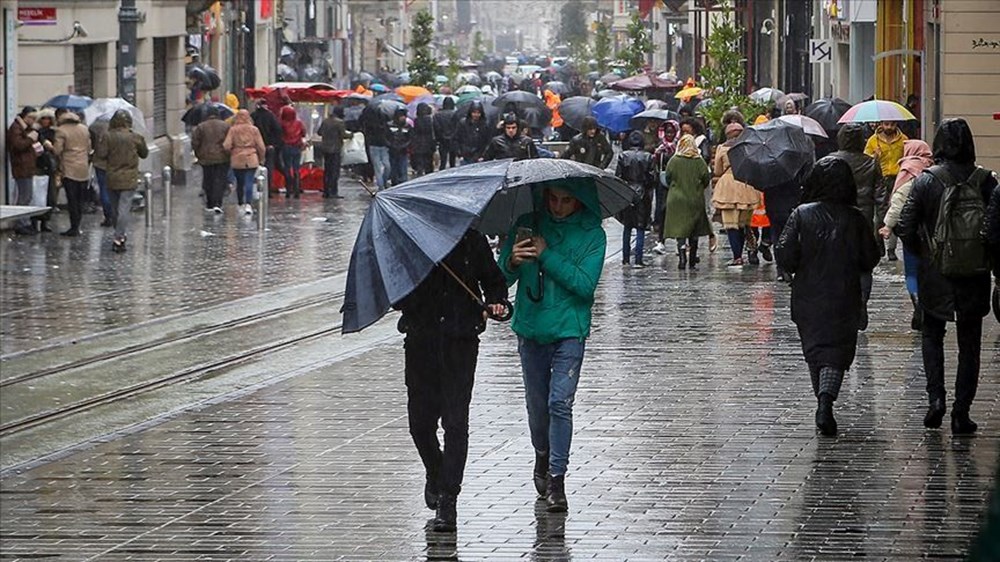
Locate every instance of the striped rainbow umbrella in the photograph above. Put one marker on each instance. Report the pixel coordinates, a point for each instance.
(876, 110)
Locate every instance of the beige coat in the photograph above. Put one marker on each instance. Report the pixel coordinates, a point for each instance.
(244, 143)
(72, 146)
(729, 193)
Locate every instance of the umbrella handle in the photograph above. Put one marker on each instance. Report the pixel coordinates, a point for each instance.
(508, 308)
(508, 311)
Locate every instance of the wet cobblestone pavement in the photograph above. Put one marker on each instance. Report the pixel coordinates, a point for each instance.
(694, 435)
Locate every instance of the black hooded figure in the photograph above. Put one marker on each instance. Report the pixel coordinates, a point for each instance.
(473, 134)
(424, 144)
(398, 137)
(827, 245)
(635, 166)
(445, 126)
(963, 300)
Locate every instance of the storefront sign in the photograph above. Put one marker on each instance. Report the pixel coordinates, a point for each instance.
(820, 50)
(37, 16)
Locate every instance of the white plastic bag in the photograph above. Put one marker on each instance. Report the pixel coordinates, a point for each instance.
(40, 191)
(353, 151)
(308, 156)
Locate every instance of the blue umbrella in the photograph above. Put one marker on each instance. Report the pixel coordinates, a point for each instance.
(614, 113)
(411, 228)
(69, 101)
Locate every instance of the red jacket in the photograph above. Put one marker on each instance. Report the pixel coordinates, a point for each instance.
(293, 132)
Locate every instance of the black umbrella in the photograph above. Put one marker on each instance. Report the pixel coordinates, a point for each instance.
(557, 87)
(771, 154)
(607, 93)
(198, 113)
(365, 76)
(574, 109)
(536, 117)
(640, 120)
(520, 99)
(411, 228)
(827, 111)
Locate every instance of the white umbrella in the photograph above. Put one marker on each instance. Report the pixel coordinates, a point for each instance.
(766, 95)
(808, 125)
(103, 108)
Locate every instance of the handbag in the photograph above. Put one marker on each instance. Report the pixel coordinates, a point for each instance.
(353, 151)
(664, 178)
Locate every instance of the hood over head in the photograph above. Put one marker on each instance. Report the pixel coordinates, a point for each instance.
(232, 101)
(831, 181)
(288, 113)
(242, 118)
(851, 137)
(588, 123)
(423, 109)
(448, 103)
(476, 105)
(120, 120)
(69, 117)
(400, 112)
(954, 143)
(583, 189)
(635, 140)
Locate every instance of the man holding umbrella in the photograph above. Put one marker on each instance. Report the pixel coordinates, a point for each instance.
(886, 146)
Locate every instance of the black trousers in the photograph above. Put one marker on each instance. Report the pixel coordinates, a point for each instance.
(75, 192)
(440, 372)
(970, 342)
(331, 173)
(423, 162)
(446, 154)
(213, 181)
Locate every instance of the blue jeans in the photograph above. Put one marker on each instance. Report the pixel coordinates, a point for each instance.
(911, 264)
(244, 185)
(550, 373)
(102, 184)
(380, 161)
(399, 163)
(640, 241)
(291, 158)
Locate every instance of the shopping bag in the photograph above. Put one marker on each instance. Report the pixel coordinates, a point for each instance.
(308, 156)
(353, 151)
(40, 191)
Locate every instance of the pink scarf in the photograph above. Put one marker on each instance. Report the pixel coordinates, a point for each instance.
(917, 157)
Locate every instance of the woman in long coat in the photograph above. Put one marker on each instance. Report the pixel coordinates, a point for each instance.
(734, 198)
(827, 244)
(246, 150)
(685, 218)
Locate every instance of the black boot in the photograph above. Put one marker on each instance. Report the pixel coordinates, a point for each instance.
(830, 380)
(917, 321)
(935, 413)
(961, 424)
(431, 491)
(541, 474)
(682, 256)
(814, 377)
(446, 518)
(555, 502)
(693, 257)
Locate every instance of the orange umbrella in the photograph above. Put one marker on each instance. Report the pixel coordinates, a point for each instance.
(411, 93)
(688, 92)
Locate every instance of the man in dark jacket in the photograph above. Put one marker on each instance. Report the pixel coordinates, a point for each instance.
(635, 166)
(206, 141)
(444, 132)
(270, 130)
(827, 245)
(963, 300)
(334, 133)
(373, 125)
(398, 138)
(511, 144)
(590, 146)
(867, 176)
(473, 134)
(424, 144)
(442, 324)
(23, 145)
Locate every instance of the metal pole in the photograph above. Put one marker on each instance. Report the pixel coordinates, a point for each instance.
(143, 186)
(262, 190)
(128, 21)
(167, 177)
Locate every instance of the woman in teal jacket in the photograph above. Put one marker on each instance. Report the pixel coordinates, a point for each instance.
(556, 271)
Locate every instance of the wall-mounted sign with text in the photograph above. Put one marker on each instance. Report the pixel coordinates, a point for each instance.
(37, 16)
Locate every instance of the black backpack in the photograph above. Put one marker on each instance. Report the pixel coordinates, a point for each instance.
(957, 244)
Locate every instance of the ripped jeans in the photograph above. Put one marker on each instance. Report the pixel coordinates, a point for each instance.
(550, 373)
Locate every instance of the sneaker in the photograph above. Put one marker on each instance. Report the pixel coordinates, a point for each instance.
(217, 210)
(752, 259)
(639, 265)
(660, 248)
(765, 252)
(735, 262)
(209, 210)
(248, 209)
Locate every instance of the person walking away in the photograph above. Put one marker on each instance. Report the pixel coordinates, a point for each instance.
(246, 149)
(293, 135)
(72, 147)
(589, 145)
(511, 143)
(97, 130)
(635, 167)
(917, 157)
(424, 143)
(47, 165)
(442, 325)
(399, 137)
(735, 199)
(954, 279)
(685, 217)
(780, 201)
(867, 180)
(206, 141)
(556, 263)
(444, 132)
(121, 148)
(667, 134)
(826, 246)
(886, 146)
(473, 134)
(373, 125)
(270, 131)
(333, 132)
(24, 148)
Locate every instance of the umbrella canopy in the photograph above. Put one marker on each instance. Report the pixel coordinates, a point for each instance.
(808, 125)
(557, 87)
(468, 89)
(827, 111)
(536, 117)
(574, 109)
(493, 75)
(657, 104)
(614, 114)
(411, 228)
(365, 76)
(470, 78)
(643, 82)
(358, 97)
(387, 107)
(876, 110)
(520, 99)
(99, 113)
(492, 112)
(607, 93)
(794, 96)
(411, 108)
(69, 101)
(688, 92)
(198, 113)
(766, 95)
(641, 119)
(771, 154)
(377, 87)
(610, 78)
(410, 93)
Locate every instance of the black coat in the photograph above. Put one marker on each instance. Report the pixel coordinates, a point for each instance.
(267, 124)
(993, 229)
(423, 135)
(636, 168)
(398, 136)
(518, 148)
(940, 296)
(595, 150)
(440, 305)
(472, 137)
(827, 247)
(445, 126)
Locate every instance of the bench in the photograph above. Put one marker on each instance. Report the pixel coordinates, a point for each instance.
(11, 213)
